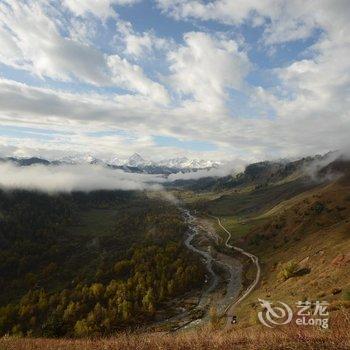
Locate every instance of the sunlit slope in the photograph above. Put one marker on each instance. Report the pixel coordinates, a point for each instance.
(304, 231)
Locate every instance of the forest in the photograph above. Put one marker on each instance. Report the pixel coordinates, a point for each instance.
(63, 276)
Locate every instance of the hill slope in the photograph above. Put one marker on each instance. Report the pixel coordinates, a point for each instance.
(299, 228)
(298, 225)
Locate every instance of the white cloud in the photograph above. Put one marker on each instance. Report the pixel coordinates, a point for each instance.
(66, 178)
(206, 66)
(132, 77)
(226, 11)
(32, 41)
(283, 20)
(83, 31)
(22, 103)
(99, 8)
(37, 46)
(192, 99)
(139, 45)
(299, 129)
(311, 102)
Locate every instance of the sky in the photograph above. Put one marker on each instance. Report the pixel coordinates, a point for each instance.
(219, 80)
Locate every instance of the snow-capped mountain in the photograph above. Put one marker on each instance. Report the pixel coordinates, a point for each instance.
(137, 161)
(185, 163)
(134, 161)
(175, 163)
(80, 159)
(116, 161)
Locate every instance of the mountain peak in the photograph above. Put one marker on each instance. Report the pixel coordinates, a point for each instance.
(136, 160)
(185, 163)
(80, 159)
(136, 156)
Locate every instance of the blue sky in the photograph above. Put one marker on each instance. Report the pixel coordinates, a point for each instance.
(202, 79)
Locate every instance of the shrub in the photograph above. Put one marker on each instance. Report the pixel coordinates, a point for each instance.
(346, 295)
(319, 207)
(288, 270)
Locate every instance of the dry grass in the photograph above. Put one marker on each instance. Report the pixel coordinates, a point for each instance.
(289, 337)
(320, 241)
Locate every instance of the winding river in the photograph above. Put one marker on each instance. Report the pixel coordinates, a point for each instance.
(214, 278)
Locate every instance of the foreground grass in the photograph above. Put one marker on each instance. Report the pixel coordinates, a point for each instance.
(288, 337)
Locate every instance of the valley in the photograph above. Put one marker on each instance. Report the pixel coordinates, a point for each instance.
(305, 227)
(174, 175)
(178, 263)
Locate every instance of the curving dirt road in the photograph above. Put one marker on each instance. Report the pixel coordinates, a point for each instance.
(229, 310)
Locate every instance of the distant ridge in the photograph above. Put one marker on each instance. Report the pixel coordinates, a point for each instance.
(135, 163)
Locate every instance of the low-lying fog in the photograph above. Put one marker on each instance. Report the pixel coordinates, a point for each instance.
(87, 177)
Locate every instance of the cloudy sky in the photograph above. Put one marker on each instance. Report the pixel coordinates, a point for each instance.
(224, 79)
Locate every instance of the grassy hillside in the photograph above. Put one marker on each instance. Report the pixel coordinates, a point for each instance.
(300, 230)
(256, 338)
(251, 200)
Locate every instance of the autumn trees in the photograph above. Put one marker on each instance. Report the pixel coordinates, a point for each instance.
(60, 284)
(156, 274)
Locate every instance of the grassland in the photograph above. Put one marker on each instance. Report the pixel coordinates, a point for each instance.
(254, 338)
(237, 226)
(310, 228)
(249, 202)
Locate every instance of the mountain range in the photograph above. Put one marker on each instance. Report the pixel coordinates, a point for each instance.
(135, 163)
(136, 160)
